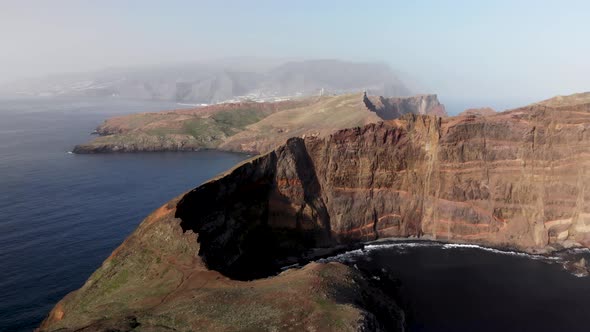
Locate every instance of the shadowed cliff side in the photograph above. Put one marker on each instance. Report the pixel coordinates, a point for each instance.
(156, 281)
(272, 210)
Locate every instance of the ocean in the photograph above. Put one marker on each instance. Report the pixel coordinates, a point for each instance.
(62, 214)
(468, 288)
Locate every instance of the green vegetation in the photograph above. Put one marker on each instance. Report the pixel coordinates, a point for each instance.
(199, 128)
(238, 118)
(155, 279)
(117, 281)
(228, 122)
(220, 125)
(238, 127)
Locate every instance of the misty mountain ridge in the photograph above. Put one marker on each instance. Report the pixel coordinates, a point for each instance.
(221, 81)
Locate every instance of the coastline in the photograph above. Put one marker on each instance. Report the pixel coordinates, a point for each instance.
(567, 257)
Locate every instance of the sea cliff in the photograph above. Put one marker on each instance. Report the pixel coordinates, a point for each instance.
(516, 179)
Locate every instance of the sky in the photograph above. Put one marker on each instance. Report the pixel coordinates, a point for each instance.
(461, 49)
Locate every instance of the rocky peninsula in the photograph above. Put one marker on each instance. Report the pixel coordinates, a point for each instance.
(515, 179)
(250, 127)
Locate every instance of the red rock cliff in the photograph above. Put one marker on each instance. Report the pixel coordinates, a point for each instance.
(517, 179)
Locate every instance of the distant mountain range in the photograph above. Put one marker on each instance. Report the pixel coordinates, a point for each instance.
(219, 81)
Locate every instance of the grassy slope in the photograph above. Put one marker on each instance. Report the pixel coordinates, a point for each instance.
(166, 130)
(323, 117)
(155, 279)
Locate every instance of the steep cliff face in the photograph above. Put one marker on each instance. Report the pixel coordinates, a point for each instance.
(273, 209)
(516, 179)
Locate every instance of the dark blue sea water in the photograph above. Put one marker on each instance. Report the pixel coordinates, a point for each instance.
(62, 214)
(466, 288)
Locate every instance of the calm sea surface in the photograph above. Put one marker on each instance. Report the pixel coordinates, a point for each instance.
(62, 214)
(464, 288)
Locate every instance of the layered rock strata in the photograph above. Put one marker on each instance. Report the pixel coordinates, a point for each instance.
(516, 179)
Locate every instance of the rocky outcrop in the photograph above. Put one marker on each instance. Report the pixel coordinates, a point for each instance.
(248, 126)
(393, 108)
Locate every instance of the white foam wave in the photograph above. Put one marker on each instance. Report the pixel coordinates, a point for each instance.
(498, 251)
(347, 256)
(581, 250)
(292, 266)
(343, 257)
(370, 247)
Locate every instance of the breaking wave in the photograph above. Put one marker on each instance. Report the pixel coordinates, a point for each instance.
(499, 251)
(402, 246)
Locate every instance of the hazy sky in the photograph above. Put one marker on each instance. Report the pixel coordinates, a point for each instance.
(481, 49)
